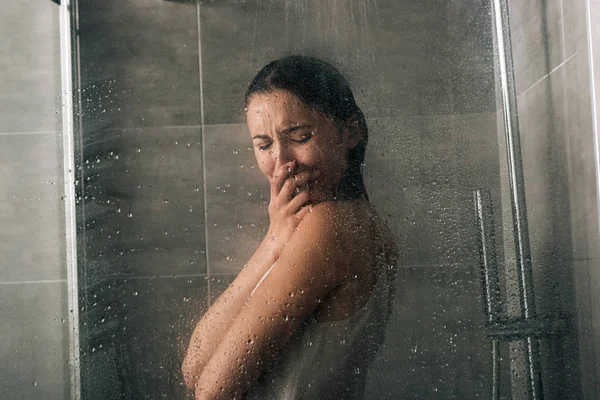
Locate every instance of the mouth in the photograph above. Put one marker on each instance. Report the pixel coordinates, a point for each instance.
(303, 181)
(306, 179)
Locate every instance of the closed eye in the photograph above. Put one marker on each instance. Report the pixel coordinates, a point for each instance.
(264, 146)
(303, 138)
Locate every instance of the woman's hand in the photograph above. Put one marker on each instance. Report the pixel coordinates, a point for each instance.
(287, 207)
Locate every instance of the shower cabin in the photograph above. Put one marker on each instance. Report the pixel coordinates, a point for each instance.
(482, 157)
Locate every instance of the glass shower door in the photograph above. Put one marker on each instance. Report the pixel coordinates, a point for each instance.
(172, 204)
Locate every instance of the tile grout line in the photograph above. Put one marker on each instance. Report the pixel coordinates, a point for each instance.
(173, 276)
(29, 133)
(6, 283)
(562, 29)
(566, 143)
(203, 141)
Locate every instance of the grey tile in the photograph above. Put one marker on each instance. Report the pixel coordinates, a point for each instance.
(428, 60)
(237, 198)
(584, 208)
(400, 58)
(144, 205)
(594, 8)
(587, 334)
(420, 172)
(155, 319)
(32, 241)
(139, 64)
(583, 295)
(593, 222)
(435, 347)
(554, 288)
(575, 26)
(30, 67)
(560, 367)
(594, 268)
(34, 352)
(100, 373)
(544, 146)
(536, 37)
(218, 284)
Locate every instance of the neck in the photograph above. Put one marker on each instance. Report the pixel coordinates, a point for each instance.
(351, 187)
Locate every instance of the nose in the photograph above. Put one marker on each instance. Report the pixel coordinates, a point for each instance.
(282, 154)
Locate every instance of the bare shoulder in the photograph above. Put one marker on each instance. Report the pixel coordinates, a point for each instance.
(330, 216)
(358, 226)
(320, 229)
(327, 225)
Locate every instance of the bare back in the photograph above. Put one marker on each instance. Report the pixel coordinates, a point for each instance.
(369, 245)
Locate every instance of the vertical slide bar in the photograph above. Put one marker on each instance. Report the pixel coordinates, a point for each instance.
(517, 187)
(489, 276)
(69, 193)
(487, 255)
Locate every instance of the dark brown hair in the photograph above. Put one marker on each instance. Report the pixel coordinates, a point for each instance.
(320, 86)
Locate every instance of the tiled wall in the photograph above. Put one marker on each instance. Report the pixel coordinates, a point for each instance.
(33, 289)
(175, 204)
(550, 47)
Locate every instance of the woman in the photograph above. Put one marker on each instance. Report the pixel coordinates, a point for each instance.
(306, 315)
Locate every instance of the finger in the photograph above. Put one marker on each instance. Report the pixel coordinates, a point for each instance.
(298, 201)
(288, 189)
(303, 211)
(301, 179)
(279, 176)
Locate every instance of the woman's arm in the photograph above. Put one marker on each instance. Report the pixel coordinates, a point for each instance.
(311, 266)
(285, 213)
(217, 320)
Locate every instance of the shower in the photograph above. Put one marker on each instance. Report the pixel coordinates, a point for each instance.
(482, 159)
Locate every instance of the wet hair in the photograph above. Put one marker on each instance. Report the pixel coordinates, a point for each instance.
(320, 86)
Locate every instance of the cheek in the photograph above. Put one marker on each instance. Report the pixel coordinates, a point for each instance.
(327, 154)
(314, 155)
(266, 163)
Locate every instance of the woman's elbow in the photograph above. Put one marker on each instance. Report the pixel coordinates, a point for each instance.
(214, 393)
(191, 372)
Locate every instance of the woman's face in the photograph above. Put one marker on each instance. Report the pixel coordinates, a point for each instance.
(285, 129)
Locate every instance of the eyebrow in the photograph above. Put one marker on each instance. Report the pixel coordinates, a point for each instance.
(286, 131)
